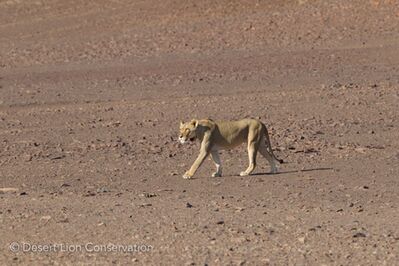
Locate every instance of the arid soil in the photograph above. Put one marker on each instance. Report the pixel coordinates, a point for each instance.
(91, 95)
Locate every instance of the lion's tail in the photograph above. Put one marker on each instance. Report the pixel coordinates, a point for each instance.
(269, 146)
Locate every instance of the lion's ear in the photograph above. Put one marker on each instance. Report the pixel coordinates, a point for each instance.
(181, 124)
(194, 123)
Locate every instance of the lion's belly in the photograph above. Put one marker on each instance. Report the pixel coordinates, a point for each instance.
(227, 145)
(232, 141)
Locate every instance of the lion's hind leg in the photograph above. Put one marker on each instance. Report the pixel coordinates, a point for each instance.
(216, 159)
(269, 157)
(252, 151)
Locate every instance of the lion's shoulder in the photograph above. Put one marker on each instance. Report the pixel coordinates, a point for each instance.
(207, 122)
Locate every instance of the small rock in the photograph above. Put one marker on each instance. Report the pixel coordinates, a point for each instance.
(310, 150)
(103, 190)
(8, 189)
(301, 239)
(360, 150)
(239, 209)
(45, 218)
(63, 220)
(56, 156)
(220, 222)
(148, 195)
(359, 234)
(28, 157)
(89, 194)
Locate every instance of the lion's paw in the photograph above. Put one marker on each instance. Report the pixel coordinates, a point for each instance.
(187, 176)
(216, 174)
(244, 173)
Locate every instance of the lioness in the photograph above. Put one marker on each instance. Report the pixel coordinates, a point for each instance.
(226, 135)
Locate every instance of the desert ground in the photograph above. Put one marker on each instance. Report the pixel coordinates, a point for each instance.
(91, 95)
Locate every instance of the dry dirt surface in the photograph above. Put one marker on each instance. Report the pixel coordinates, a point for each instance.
(91, 95)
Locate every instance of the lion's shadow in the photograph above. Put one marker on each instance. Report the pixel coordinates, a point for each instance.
(297, 171)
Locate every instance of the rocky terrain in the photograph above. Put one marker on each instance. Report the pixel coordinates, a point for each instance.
(91, 95)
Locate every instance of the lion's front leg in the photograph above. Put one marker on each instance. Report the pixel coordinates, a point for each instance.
(200, 159)
(204, 152)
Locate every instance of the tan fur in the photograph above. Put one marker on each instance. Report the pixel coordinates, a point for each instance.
(215, 136)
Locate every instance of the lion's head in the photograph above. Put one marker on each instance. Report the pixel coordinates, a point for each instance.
(188, 131)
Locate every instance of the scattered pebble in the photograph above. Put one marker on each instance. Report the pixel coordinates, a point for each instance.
(102, 190)
(148, 195)
(45, 218)
(8, 189)
(301, 239)
(359, 234)
(89, 194)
